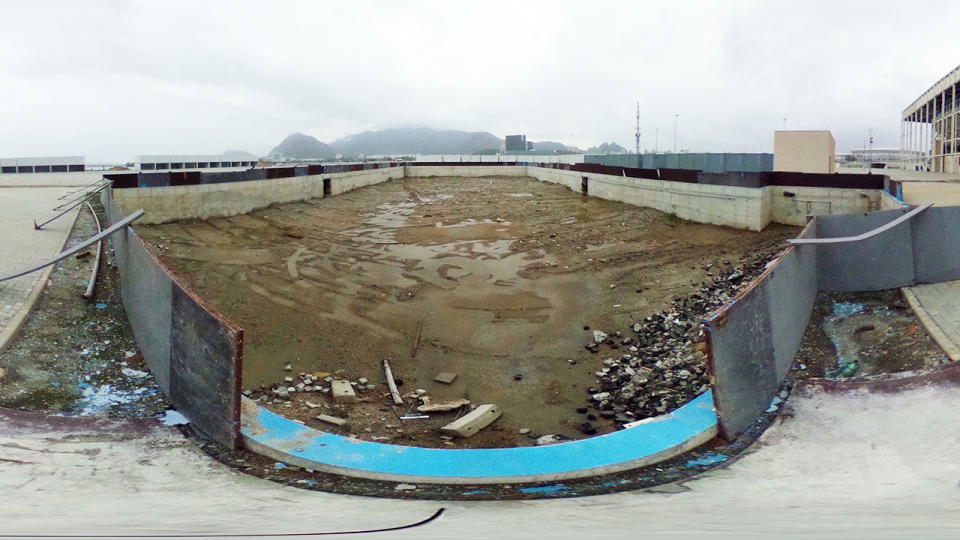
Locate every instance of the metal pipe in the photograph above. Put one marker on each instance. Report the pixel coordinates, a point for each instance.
(116, 227)
(84, 196)
(78, 190)
(863, 236)
(88, 294)
(78, 203)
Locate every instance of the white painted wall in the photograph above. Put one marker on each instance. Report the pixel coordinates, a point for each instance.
(730, 206)
(164, 204)
(810, 201)
(466, 171)
(718, 205)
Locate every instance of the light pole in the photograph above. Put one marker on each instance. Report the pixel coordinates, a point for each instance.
(675, 117)
(656, 141)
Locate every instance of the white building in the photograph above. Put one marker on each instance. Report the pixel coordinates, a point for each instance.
(929, 127)
(166, 162)
(42, 164)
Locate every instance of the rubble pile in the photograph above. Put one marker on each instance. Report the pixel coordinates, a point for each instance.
(662, 365)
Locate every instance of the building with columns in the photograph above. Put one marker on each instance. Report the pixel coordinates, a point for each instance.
(929, 127)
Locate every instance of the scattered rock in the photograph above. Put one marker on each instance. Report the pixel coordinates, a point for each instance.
(599, 337)
(545, 440)
(405, 487)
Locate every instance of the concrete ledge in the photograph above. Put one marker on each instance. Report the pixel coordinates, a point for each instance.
(949, 346)
(657, 440)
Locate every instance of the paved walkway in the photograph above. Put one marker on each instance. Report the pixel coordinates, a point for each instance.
(840, 465)
(22, 247)
(937, 305)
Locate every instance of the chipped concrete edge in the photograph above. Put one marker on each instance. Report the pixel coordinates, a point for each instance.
(934, 329)
(18, 320)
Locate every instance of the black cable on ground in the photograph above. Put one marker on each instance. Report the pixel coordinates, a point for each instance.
(435, 515)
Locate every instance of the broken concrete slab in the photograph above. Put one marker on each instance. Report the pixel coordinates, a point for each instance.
(473, 422)
(445, 377)
(441, 406)
(342, 390)
(331, 419)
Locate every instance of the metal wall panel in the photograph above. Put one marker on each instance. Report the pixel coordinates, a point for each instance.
(743, 362)
(936, 244)
(205, 369)
(882, 262)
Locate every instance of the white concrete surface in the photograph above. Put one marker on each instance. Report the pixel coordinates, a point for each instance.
(24, 248)
(163, 204)
(854, 465)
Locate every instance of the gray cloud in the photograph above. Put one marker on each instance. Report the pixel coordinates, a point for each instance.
(111, 80)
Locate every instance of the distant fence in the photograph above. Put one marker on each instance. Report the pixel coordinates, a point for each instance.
(697, 161)
(754, 339)
(738, 179)
(193, 178)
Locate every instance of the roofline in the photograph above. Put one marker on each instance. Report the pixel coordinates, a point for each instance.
(953, 77)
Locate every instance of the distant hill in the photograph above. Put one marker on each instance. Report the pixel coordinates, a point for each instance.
(300, 146)
(415, 141)
(549, 146)
(409, 141)
(240, 155)
(607, 148)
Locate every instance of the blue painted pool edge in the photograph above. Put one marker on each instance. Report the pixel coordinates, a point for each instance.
(662, 438)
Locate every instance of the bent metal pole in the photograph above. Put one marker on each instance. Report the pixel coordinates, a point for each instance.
(116, 227)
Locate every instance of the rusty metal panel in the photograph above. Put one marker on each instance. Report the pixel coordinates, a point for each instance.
(205, 368)
(743, 363)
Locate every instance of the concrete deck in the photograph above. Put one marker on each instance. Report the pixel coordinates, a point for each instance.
(669, 435)
(23, 247)
(842, 465)
(937, 305)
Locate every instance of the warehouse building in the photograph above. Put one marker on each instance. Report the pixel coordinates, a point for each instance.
(929, 127)
(42, 164)
(198, 161)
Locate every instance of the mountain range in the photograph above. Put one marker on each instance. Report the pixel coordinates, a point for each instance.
(400, 141)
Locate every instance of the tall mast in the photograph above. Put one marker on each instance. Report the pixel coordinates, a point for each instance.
(637, 134)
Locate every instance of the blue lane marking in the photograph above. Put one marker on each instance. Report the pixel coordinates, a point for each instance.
(630, 444)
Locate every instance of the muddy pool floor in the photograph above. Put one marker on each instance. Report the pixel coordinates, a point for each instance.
(501, 275)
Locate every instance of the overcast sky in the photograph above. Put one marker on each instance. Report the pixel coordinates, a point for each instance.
(112, 80)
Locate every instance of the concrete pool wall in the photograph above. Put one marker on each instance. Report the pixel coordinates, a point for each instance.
(202, 368)
(750, 208)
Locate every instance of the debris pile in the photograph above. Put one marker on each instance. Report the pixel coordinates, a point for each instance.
(664, 365)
